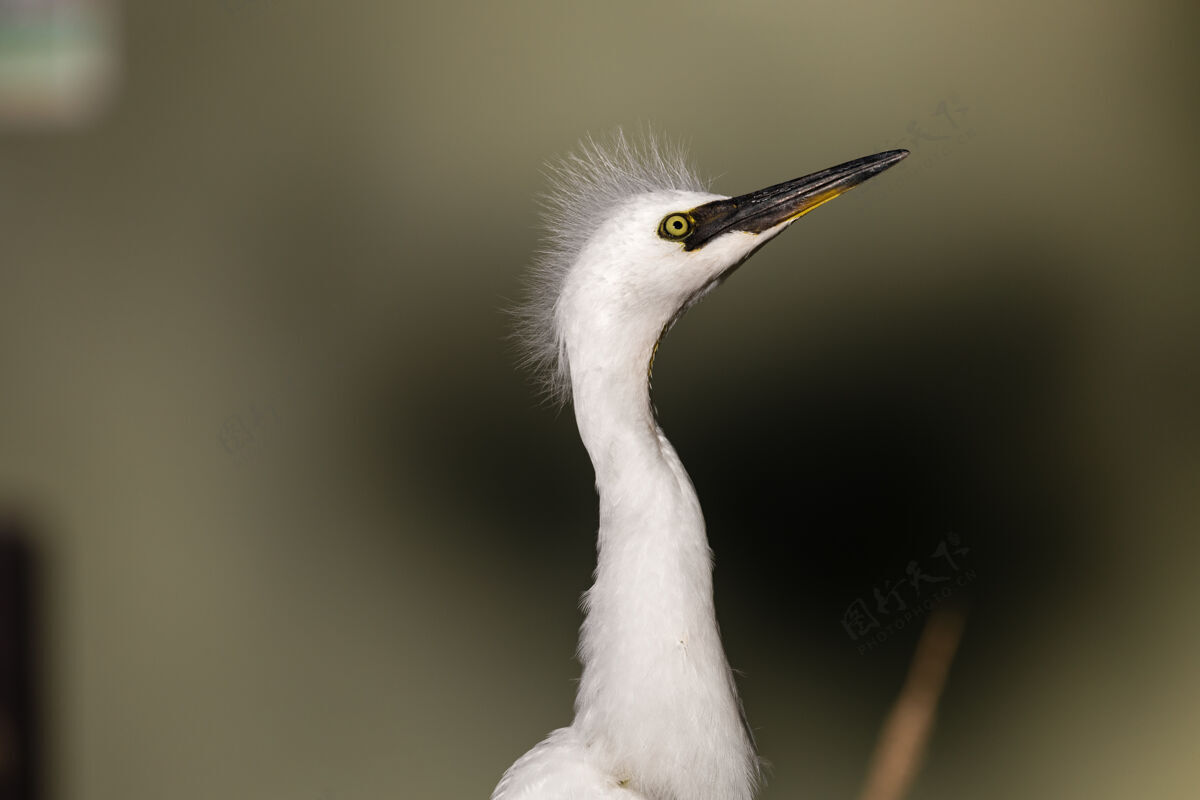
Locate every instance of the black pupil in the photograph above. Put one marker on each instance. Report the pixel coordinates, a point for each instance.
(677, 224)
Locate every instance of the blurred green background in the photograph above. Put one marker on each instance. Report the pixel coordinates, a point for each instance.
(304, 532)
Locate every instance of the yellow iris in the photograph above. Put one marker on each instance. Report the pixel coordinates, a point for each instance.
(675, 226)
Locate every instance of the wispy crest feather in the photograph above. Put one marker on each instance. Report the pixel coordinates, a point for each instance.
(585, 187)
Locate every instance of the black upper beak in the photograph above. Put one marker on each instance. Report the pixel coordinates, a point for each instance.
(762, 210)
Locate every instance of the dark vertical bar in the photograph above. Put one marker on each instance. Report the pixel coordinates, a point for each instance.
(18, 773)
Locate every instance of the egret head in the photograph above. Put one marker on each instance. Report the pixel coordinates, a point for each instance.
(634, 239)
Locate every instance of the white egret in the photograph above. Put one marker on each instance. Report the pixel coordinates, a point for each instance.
(634, 240)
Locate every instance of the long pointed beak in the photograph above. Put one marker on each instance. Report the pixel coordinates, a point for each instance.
(765, 209)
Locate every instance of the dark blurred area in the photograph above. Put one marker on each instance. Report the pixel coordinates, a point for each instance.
(303, 530)
(18, 691)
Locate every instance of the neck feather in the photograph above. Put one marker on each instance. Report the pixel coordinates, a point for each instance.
(656, 697)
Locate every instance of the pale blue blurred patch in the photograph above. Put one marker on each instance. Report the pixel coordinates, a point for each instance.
(58, 61)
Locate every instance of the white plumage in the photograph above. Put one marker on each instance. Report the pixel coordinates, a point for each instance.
(587, 187)
(634, 240)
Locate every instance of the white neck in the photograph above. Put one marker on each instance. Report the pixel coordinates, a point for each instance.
(656, 699)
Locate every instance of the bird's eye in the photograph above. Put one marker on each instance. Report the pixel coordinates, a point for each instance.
(675, 227)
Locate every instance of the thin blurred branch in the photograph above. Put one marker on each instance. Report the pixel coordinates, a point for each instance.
(901, 749)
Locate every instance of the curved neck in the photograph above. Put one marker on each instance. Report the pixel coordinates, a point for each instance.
(645, 493)
(656, 696)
